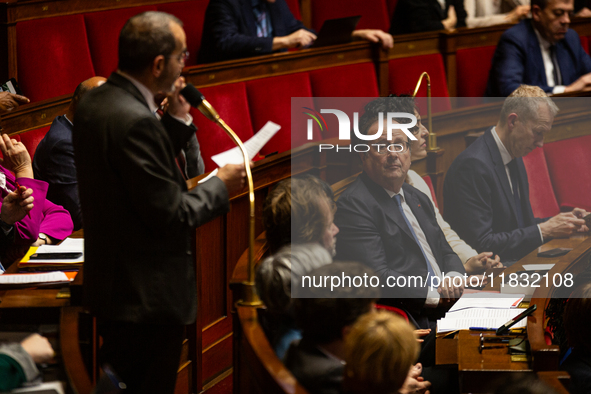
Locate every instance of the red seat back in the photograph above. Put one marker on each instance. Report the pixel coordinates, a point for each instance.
(569, 163)
(391, 4)
(231, 103)
(429, 183)
(394, 310)
(585, 43)
(473, 66)
(32, 138)
(192, 14)
(270, 99)
(374, 14)
(337, 82)
(541, 193)
(405, 72)
(103, 30)
(294, 6)
(52, 56)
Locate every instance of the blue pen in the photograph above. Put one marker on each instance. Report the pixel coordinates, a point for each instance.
(482, 329)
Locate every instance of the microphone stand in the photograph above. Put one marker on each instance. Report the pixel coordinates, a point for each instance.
(432, 143)
(251, 297)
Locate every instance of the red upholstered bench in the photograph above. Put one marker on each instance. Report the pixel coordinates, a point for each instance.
(374, 14)
(294, 6)
(270, 99)
(405, 72)
(585, 43)
(568, 164)
(541, 193)
(31, 138)
(53, 56)
(473, 66)
(103, 36)
(192, 14)
(355, 80)
(231, 103)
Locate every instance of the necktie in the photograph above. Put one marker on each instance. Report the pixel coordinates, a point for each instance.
(260, 13)
(556, 71)
(516, 195)
(399, 203)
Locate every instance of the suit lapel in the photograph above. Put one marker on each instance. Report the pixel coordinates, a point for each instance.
(387, 204)
(536, 62)
(500, 170)
(248, 17)
(565, 62)
(415, 206)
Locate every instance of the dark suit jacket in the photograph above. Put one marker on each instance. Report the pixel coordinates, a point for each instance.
(578, 365)
(229, 30)
(415, 16)
(373, 232)
(54, 164)
(313, 369)
(479, 204)
(518, 60)
(138, 215)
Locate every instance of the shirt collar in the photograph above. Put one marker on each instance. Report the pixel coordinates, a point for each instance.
(543, 42)
(392, 194)
(148, 95)
(505, 156)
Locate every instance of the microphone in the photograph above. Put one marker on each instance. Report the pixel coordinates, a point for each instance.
(197, 100)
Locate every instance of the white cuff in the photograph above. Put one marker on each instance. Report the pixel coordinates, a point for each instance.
(187, 120)
(558, 89)
(541, 236)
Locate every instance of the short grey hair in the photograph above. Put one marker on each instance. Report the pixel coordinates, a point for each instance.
(525, 101)
(273, 276)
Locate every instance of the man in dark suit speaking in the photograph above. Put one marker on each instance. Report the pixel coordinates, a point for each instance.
(541, 51)
(391, 227)
(486, 191)
(139, 274)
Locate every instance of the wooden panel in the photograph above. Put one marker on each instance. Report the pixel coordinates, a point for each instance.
(35, 115)
(216, 358)
(216, 331)
(183, 379)
(221, 385)
(26, 10)
(213, 270)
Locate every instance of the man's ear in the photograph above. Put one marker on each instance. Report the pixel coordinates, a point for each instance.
(158, 65)
(512, 120)
(535, 12)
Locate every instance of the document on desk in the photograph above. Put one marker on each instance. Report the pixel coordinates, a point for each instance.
(69, 245)
(478, 317)
(43, 388)
(538, 267)
(48, 277)
(487, 300)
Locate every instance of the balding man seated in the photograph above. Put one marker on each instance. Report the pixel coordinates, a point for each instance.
(486, 190)
(54, 158)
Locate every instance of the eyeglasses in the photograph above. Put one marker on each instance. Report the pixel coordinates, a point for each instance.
(183, 56)
(399, 147)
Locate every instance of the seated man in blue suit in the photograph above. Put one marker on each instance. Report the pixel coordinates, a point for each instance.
(235, 29)
(541, 51)
(54, 158)
(391, 227)
(486, 191)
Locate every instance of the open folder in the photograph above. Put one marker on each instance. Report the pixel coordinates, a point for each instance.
(74, 246)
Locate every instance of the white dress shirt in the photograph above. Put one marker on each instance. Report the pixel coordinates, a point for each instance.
(548, 64)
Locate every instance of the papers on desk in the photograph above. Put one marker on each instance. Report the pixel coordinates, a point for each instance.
(487, 300)
(48, 277)
(478, 317)
(538, 267)
(490, 310)
(253, 146)
(69, 245)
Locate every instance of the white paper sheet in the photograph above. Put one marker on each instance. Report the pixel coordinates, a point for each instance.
(56, 276)
(252, 146)
(537, 267)
(487, 300)
(69, 245)
(46, 387)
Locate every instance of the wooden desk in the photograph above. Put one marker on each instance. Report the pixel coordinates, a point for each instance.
(477, 369)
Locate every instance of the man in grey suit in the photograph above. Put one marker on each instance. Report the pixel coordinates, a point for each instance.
(139, 272)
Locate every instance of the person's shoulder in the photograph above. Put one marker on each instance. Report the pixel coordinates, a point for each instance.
(518, 33)
(356, 192)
